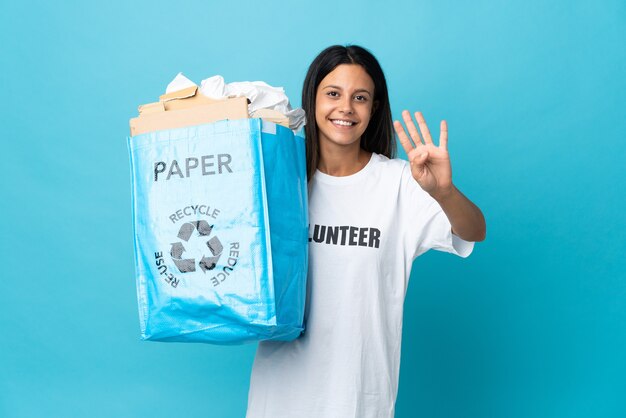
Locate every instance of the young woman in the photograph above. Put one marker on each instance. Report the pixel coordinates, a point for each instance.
(370, 217)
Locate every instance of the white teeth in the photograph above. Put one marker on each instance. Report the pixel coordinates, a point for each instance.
(341, 122)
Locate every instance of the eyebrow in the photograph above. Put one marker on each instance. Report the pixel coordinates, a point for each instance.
(339, 88)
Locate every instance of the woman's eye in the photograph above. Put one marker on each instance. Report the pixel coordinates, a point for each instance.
(332, 93)
(361, 98)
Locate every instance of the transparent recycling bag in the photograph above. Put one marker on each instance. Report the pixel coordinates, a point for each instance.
(220, 232)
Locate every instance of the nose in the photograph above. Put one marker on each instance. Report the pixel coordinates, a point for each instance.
(346, 105)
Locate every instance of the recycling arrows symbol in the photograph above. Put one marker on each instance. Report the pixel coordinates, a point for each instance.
(214, 245)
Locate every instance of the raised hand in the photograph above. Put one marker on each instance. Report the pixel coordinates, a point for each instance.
(430, 164)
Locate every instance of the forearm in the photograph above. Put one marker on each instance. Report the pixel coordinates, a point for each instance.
(465, 217)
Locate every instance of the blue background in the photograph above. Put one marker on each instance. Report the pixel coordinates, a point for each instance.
(532, 324)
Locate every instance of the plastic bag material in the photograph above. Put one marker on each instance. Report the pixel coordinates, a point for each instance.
(220, 232)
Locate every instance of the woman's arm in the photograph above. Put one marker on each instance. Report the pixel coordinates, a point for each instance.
(465, 217)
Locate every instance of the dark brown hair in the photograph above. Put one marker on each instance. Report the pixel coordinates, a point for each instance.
(379, 134)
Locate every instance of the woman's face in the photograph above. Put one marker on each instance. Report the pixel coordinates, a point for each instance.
(343, 105)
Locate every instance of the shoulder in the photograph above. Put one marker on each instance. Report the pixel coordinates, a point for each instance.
(398, 171)
(395, 174)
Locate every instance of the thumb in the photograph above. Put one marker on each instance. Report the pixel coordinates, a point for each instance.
(419, 160)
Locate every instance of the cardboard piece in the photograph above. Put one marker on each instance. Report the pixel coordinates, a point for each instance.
(151, 108)
(272, 115)
(179, 94)
(185, 99)
(186, 107)
(153, 119)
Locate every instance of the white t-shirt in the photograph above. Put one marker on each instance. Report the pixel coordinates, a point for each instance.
(365, 231)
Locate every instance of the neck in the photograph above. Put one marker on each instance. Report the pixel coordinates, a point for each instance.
(342, 161)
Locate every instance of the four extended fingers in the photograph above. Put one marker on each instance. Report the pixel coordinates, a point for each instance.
(406, 142)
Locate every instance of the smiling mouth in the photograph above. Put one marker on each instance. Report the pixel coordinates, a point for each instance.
(340, 122)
